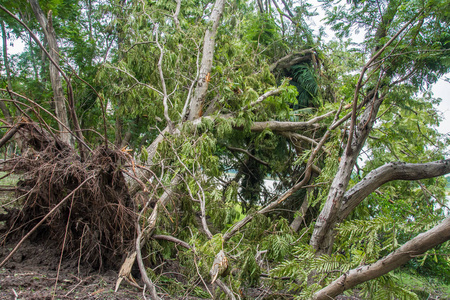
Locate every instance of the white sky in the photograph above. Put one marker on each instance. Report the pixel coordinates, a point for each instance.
(442, 90)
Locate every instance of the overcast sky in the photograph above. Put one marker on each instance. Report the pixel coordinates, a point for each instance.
(442, 90)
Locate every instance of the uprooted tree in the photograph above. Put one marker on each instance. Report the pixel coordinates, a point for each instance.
(191, 107)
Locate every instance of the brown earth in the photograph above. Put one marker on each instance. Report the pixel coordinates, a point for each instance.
(32, 273)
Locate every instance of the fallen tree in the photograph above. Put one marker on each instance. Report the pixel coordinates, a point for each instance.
(240, 102)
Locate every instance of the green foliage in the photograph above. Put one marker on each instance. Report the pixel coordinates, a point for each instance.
(280, 242)
(386, 287)
(250, 270)
(306, 83)
(434, 264)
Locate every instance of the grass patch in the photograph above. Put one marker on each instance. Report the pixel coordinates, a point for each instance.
(424, 287)
(10, 180)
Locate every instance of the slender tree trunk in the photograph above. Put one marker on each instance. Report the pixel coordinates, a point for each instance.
(55, 77)
(3, 107)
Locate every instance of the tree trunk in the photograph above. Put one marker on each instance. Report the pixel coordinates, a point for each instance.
(321, 239)
(55, 77)
(3, 107)
(196, 105)
(323, 235)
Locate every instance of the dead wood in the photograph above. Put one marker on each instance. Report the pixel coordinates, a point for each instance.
(11, 132)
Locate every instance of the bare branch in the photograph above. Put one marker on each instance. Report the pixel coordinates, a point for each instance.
(163, 82)
(191, 87)
(361, 77)
(266, 95)
(387, 173)
(282, 126)
(137, 81)
(225, 289)
(171, 239)
(148, 282)
(11, 132)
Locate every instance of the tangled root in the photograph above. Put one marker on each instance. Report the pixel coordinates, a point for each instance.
(97, 223)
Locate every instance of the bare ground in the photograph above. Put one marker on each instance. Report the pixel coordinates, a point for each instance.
(32, 273)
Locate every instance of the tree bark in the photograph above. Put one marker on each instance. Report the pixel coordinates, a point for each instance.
(55, 77)
(196, 105)
(417, 246)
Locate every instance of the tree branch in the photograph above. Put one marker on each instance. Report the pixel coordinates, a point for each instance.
(197, 102)
(163, 82)
(10, 133)
(386, 173)
(176, 13)
(418, 245)
(137, 81)
(361, 76)
(307, 175)
(266, 95)
(291, 59)
(171, 239)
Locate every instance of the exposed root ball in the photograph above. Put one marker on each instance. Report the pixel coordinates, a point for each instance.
(96, 224)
